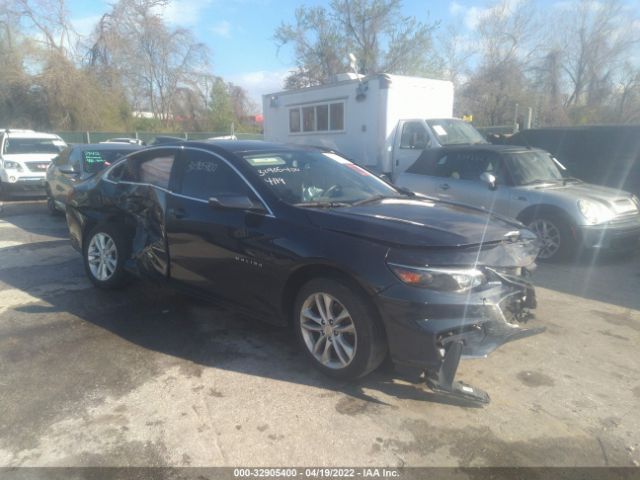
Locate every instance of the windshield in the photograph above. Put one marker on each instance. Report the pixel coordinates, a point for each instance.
(533, 167)
(308, 177)
(450, 131)
(95, 160)
(33, 145)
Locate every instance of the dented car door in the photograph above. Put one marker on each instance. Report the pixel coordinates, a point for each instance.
(142, 186)
(210, 245)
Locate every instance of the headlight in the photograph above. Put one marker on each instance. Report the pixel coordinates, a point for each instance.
(440, 279)
(636, 200)
(8, 164)
(595, 212)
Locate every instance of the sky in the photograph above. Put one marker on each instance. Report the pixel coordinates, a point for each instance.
(239, 33)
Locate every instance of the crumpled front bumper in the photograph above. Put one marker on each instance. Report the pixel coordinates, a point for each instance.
(421, 324)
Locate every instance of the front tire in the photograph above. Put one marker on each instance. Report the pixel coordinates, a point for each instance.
(338, 329)
(104, 253)
(555, 234)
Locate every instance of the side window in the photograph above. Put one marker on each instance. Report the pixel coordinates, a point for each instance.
(205, 176)
(414, 136)
(446, 166)
(495, 166)
(153, 167)
(471, 165)
(424, 165)
(116, 172)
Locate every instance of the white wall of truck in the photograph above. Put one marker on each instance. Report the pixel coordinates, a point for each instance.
(373, 108)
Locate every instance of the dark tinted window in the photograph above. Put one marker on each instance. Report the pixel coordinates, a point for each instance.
(152, 167)
(469, 166)
(336, 116)
(94, 161)
(425, 164)
(294, 120)
(116, 173)
(205, 176)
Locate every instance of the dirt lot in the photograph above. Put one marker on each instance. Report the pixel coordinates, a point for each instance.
(149, 377)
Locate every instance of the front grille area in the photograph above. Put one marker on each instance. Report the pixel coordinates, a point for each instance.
(37, 166)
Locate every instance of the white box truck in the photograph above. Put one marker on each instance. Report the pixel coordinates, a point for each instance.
(382, 122)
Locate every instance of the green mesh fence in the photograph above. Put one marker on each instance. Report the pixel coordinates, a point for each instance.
(148, 137)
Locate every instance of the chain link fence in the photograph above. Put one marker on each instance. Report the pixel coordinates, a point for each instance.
(148, 137)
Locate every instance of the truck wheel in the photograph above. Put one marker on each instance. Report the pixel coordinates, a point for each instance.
(556, 237)
(338, 329)
(105, 251)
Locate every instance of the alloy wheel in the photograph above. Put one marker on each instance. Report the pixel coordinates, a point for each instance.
(550, 236)
(102, 256)
(328, 330)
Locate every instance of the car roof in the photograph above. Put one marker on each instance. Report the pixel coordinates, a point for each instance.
(482, 147)
(246, 146)
(32, 134)
(106, 146)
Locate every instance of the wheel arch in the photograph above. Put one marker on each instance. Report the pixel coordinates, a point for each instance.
(92, 221)
(542, 209)
(303, 274)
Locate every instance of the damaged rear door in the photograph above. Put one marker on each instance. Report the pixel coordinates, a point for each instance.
(141, 192)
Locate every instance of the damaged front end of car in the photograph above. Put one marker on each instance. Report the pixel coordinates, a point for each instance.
(463, 303)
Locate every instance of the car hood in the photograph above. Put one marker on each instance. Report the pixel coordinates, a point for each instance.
(619, 200)
(416, 223)
(30, 157)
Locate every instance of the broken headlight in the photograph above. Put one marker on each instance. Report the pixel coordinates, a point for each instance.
(443, 279)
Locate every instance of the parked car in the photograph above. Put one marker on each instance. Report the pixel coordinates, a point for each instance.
(24, 158)
(528, 184)
(133, 141)
(76, 164)
(164, 139)
(299, 236)
(602, 154)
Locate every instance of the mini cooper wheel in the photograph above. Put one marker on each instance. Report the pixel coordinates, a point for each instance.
(105, 251)
(338, 330)
(555, 234)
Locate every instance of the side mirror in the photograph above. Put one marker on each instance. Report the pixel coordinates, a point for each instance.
(234, 202)
(69, 170)
(489, 179)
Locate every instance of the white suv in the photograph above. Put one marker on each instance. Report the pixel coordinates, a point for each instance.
(25, 156)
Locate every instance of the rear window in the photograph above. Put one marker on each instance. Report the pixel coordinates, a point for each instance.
(94, 161)
(14, 146)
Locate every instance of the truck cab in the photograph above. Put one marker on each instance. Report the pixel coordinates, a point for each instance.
(382, 122)
(415, 135)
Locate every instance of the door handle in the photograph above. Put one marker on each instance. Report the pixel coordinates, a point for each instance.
(444, 186)
(176, 213)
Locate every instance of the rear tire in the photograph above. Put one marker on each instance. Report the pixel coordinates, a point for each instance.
(51, 206)
(338, 329)
(105, 251)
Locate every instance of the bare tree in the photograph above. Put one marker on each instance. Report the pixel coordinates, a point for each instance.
(375, 31)
(152, 60)
(596, 39)
(51, 19)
